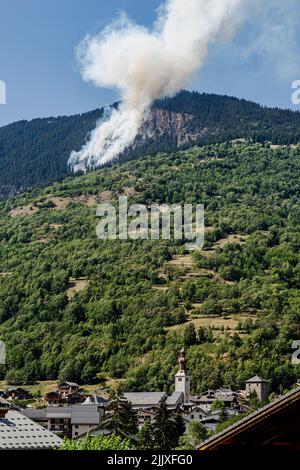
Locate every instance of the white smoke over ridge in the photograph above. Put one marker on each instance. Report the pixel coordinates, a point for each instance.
(147, 64)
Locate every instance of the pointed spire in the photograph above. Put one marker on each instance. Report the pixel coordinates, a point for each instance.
(182, 360)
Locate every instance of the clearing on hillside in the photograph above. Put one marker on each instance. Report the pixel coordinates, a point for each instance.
(76, 285)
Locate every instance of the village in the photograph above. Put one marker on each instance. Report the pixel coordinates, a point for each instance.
(70, 413)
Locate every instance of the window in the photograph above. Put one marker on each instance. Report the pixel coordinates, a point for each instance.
(76, 427)
(179, 379)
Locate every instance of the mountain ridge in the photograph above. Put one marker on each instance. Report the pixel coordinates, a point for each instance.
(36, 152)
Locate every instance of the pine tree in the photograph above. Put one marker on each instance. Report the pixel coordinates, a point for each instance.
(166, 427)
(120, 417)
(178, 429)
(145, 437)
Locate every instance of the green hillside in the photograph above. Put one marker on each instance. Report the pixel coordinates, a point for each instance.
(73, 307)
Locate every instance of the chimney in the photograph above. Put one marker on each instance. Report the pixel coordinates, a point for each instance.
(3, 412)
(4, 408)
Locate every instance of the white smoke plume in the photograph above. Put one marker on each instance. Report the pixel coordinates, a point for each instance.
(147, 64)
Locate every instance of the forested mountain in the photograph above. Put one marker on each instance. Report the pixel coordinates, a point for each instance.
(36, 152)
(77, 308)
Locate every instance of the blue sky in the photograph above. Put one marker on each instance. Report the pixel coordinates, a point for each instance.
(37, 41)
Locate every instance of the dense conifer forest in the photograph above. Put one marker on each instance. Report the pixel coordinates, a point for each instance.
(36, 152)
(76, 308)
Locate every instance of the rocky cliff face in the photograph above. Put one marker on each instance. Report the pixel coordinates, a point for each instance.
(176, 126)
(165, 130)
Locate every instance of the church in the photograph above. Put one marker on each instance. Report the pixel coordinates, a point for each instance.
(180, 396)
(197, 407)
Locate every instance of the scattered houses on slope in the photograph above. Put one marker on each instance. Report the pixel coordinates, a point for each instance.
(80, 414)
(16, 393)
(67, 393)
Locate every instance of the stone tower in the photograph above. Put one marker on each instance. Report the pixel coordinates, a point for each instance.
(182, 379)
(260, 386)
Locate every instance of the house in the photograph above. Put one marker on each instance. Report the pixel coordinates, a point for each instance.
(67, 393)
(227, 396)
(68, 388)
(259, 386)
(74, 398)
(53, 398)
(196, 413)
(275, 426)
(18, 432)
(211, 421)
(84, 418)
(59, 420)
(17, 393)
(95, 400)
(69, 421)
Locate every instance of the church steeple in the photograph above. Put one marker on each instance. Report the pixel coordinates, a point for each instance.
(182, 360)
(182, 379)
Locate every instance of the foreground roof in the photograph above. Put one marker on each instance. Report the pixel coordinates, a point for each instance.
(19, 432)
(277, 423)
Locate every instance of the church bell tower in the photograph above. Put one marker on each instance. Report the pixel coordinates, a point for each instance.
(182, 379)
